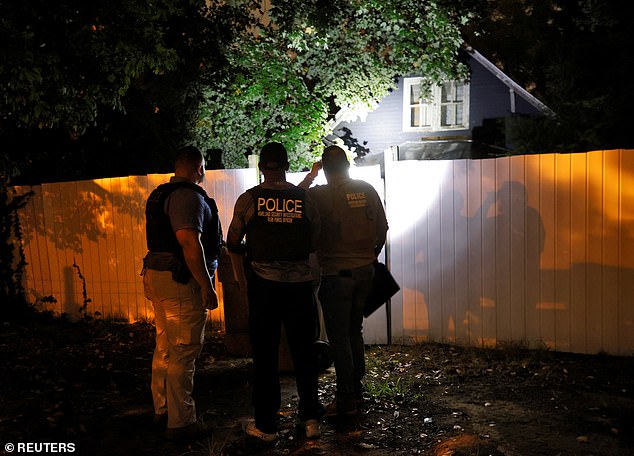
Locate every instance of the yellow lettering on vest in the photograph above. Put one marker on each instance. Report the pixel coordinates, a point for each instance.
(279, 205)
(355, 196)
(293, 206)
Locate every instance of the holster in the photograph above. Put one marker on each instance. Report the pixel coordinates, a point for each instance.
(180, 272)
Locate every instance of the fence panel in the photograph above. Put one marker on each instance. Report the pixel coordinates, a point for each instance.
(536, 250)
(545, 259)
(92, 234)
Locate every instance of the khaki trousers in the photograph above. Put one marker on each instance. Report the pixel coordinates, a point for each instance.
(180, 330)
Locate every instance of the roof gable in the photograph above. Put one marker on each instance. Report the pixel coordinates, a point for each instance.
(506, 80)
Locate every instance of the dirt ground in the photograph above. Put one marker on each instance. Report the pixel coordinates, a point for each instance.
(87, 384)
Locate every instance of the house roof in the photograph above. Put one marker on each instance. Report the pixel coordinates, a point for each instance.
(506, 80)
(343, 114)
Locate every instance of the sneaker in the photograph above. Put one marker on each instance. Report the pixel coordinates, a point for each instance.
(313, 431)
(255, 432)
(194, 431)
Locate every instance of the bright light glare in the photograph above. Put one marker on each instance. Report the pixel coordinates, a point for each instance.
(423, 182)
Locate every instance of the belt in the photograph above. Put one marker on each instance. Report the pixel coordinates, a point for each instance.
(341, 273)
(346, 272)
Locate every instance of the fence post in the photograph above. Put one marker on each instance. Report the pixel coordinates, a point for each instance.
(253, 163)
(389, 155)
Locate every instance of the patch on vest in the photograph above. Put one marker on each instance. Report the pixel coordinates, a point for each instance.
(356, 200)
(279, 210)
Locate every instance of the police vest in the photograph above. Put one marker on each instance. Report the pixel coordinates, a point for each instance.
(348, 217)
(279, 229)
(159, 232)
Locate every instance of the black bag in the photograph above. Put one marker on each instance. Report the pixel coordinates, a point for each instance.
(383, 288)
(323, 352)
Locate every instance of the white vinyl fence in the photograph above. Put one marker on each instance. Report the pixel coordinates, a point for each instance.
(92, 234)
(534, 250)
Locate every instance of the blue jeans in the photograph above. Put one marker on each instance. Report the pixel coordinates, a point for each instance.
(342, 298)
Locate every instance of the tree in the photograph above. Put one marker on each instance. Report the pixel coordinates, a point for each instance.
(572, 56)
(313, 59)
(97, 89)
(105, 82)
(102, 88)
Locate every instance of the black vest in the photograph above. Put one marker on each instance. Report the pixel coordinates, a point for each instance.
(279, 228)
(158, 229)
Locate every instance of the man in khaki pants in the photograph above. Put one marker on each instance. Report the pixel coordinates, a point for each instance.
(184, 237)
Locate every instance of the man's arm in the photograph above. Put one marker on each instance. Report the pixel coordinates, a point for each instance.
(189, 240)
(237, 259)
(242, 210)
(310, 177)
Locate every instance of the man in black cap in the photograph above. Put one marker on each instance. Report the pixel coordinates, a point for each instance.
(280, 224)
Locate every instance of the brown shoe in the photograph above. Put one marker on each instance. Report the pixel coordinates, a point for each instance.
(252, 430)
(332, 410)
(312, 429)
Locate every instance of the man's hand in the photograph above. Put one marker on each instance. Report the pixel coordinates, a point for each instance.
(189, 239)
(310, 177)
(315, 168)
(237, 264)
(209, 298)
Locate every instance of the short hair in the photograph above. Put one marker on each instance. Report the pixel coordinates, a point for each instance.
(189, 157)
(273, 156)
(334, 159)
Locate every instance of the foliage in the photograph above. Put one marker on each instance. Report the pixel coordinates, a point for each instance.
(12, 259)
(570, 55)
(83, 309)
(62, 61)
(98, 88)
(261, 103)
(86, 81)
(83, 81)
(313, 59)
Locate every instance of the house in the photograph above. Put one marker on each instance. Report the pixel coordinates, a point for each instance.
(457, 120)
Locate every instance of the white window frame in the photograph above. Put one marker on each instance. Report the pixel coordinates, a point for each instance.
(433, 108)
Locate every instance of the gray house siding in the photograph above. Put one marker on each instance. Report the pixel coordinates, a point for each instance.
(490, 98)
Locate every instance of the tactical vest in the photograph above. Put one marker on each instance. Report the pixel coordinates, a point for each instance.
(348, 218)
(279, 229)
(159, 232)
